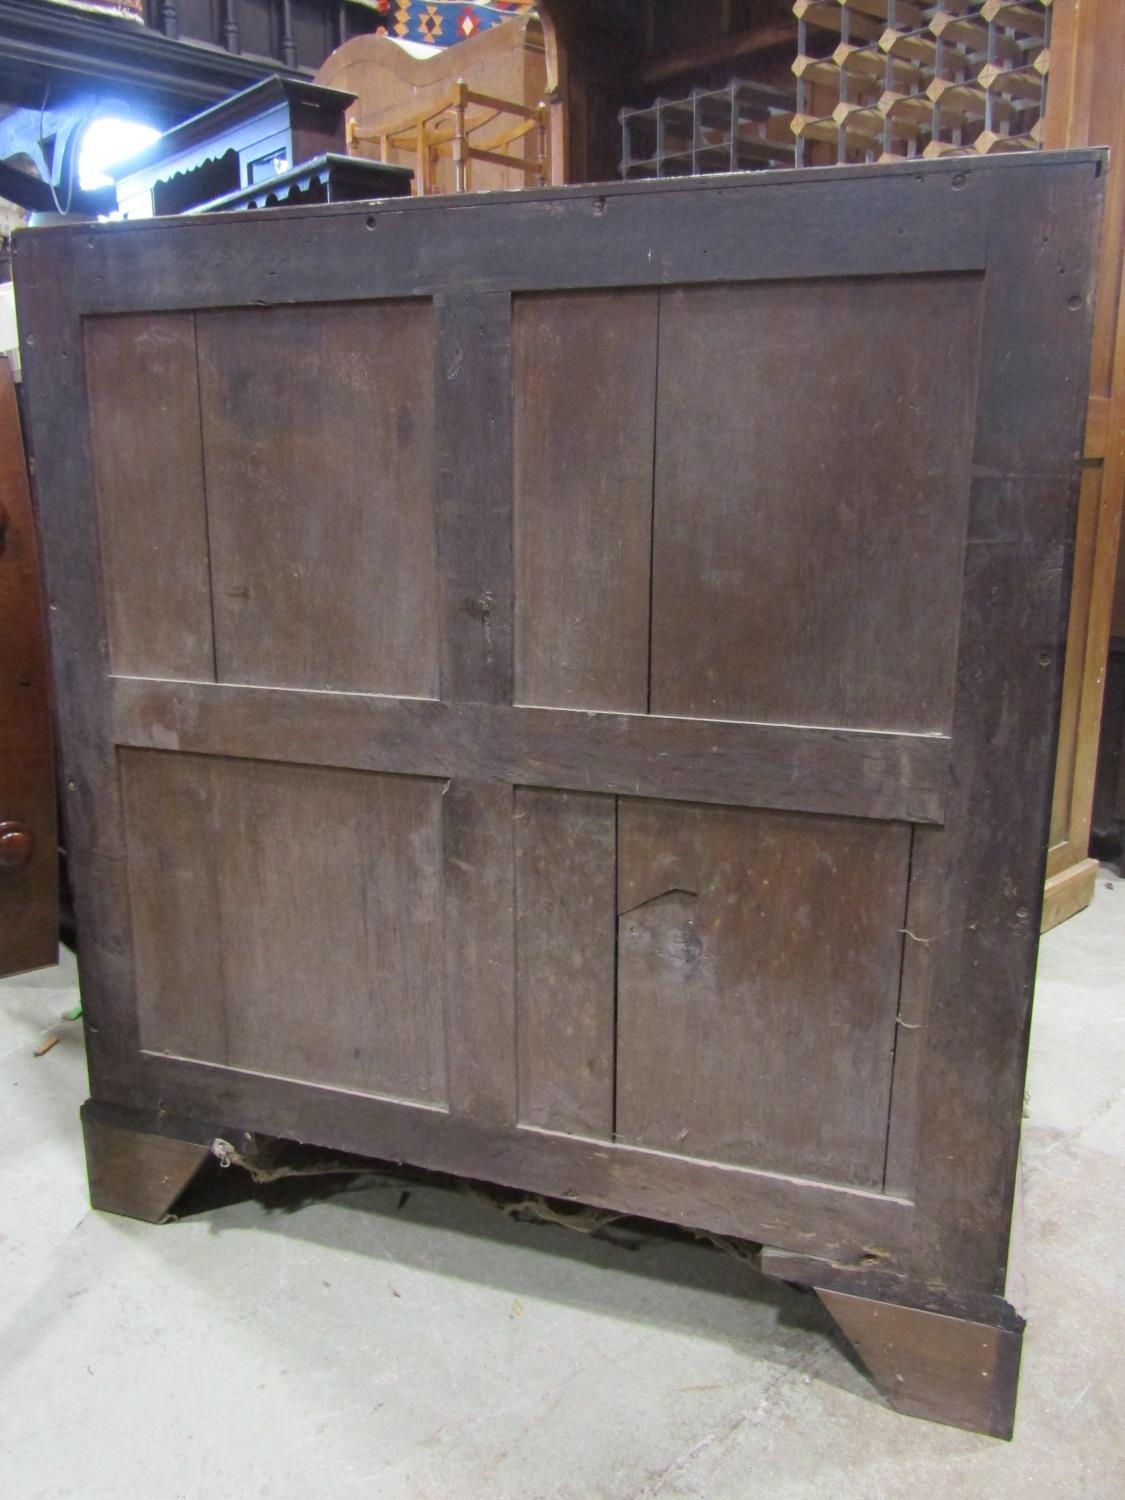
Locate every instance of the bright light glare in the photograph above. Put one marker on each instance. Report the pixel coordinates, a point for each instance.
(107, 141)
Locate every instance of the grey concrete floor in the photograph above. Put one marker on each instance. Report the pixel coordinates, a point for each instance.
(434, 1349)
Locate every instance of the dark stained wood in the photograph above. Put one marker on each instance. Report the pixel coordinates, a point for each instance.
(583, 238)
(323, 577)
(880, 776)
(566, 941)
(55, 391)
(928, 1365)
(794, 1117)
(838, 400)
(921, 920)
(333, 969)
(148, 466)
(473, 380)
(480, 959)
(29, 918)
(134, 1172)
(790, 1211)
(585, 368)
(981, 881)
(757, 987)
(876, 1276)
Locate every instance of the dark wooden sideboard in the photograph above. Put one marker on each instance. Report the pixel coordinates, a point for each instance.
(562, 688)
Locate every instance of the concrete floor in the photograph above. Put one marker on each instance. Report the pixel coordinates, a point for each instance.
(438, 1350)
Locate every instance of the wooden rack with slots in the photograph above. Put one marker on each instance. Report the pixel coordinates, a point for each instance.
(740, 128)
(469, 117)
(449, 130)
(907, 80)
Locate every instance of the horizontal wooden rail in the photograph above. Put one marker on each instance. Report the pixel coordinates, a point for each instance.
(850, 773)
(791, 1213)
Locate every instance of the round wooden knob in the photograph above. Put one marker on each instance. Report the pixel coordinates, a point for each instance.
(16, 842)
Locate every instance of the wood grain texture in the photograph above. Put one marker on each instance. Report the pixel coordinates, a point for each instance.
(473, 384)
(29, 917)
(566, 884)
(585, 368)
(981, 927)
(51, 349)
(1068, 892)
(874, 1276)
(559, 238)
(884, 776)
(796, 1214)
(809, 458)
(318, 438)
(148, 467)
(137, 1173)
(928, 1365)
(480, 958)
(171, 816)
(758, 970)
(288, 920)
(972, 888)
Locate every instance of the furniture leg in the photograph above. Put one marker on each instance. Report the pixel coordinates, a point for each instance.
(928, 1364)
(135, 1170)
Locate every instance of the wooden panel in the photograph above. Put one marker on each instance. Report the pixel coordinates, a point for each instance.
(585, 387)
(813, 451)
(287, 920)
(172, 816)
(901, 777)
(473, 374)
(29, 917)
(480, 957)
(566, 883)
(148, 467)
(557, 238)
(786, 1211)
(318, 435)
(758, 970)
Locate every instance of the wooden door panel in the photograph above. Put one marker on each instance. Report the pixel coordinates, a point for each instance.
(585, 382)
(812, 478)
(318, 436)
(288, 920)
(148, 469)
(758, 973)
